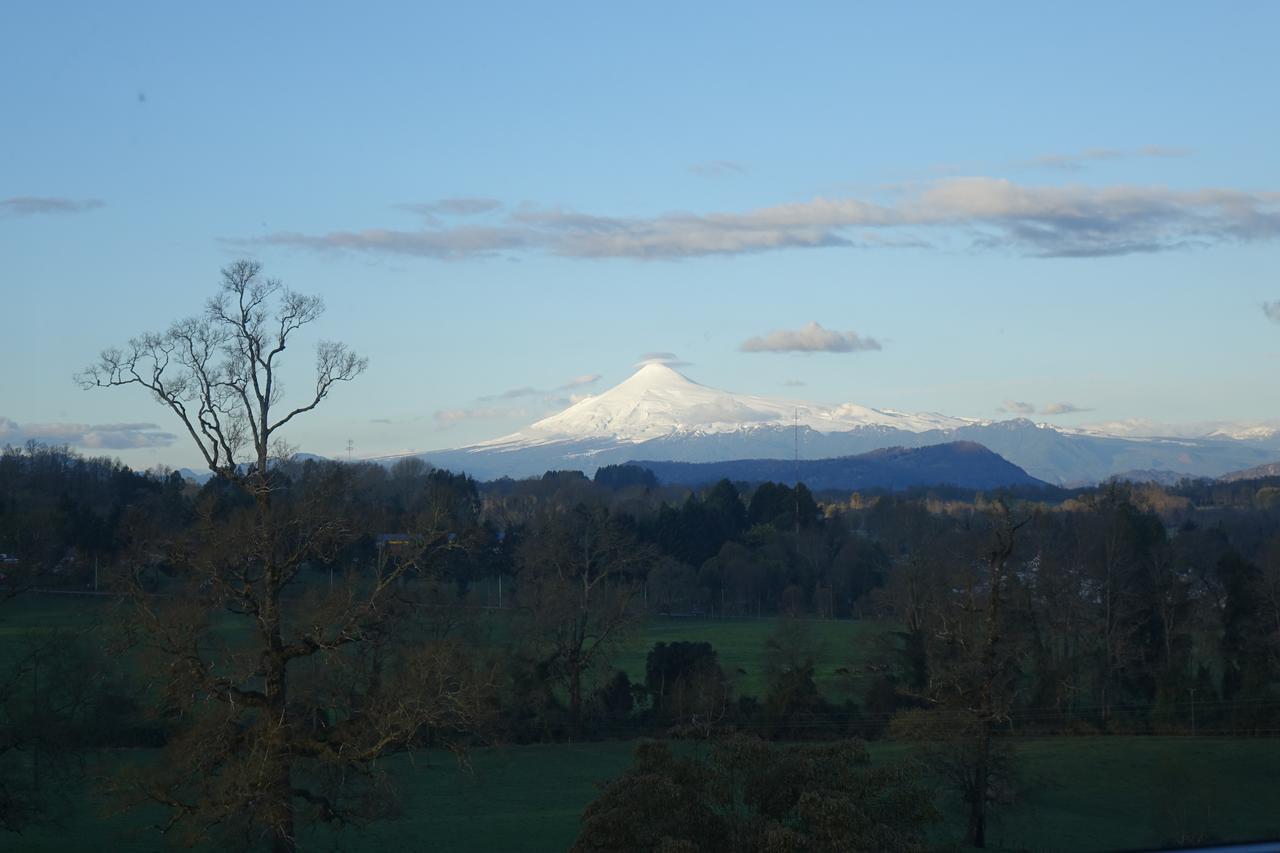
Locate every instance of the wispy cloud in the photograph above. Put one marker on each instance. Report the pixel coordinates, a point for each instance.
(794, 383)
(446, 418)
(446, 244)
(670, 359)
(529, 391)
(1018, 407)
(1272, 310)
(718, 169)
(1076, 161)
(581, 381)
(124, 436)
(810, 338)
(983, 213)
(563, 402)
(453, 207)
(511, 394)
(1063, 409)
(40, 205)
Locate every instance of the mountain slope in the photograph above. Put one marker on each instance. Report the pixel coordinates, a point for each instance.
(958, 463)
(659, 414)
(658, 402)
(1271, 469)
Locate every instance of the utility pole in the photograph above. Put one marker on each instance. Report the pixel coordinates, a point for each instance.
(1193, 712)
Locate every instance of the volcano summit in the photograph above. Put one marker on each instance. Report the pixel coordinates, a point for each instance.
(660, 414)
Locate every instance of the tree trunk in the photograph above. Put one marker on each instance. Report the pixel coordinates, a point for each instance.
(982, 780)
(575, 695)
(275, 676)
(284, 839)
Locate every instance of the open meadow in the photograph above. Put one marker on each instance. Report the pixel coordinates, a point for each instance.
(1074, 793)
(1094, 793)
(843, 647)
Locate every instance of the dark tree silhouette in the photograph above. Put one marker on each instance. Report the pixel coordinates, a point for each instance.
(261, 740)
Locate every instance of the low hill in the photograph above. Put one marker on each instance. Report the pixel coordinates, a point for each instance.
(1255, 473)
(958, 463)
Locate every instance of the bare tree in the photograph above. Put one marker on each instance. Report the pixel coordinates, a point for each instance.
(262, 737)
(578, 581)
(219, 372)
(972, 679)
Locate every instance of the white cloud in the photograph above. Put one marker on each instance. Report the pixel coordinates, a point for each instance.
(580, 381)
(530, 391)
(1075, 161)
(453, 207)
(1063, 409)
(670, 359)
(1019, 407)
(511, 394)
(810, 338)
(446, 418)
(1272, 310)
(124, 436)
(982, 212)
(446, 244)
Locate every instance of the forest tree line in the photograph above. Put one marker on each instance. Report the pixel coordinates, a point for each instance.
(1113, 605)
(1120, 609)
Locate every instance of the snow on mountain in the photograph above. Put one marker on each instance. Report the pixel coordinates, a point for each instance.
(1142, 428)
(660, 415)
(659, 402)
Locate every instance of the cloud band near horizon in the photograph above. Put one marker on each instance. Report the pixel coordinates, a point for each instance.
(125, 436)
(982, 213)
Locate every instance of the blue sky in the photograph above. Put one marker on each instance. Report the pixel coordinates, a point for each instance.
(1071, 204)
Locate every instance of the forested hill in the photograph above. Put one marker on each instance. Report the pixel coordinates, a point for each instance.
(958, 463)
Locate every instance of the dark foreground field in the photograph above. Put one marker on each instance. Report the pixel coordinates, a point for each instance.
(843, 647)
(1080, 793)
(1097, 793)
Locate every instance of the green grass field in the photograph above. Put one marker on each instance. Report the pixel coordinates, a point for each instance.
(1075, 793)
(1099, 793)
(740, 643)
(30, 614)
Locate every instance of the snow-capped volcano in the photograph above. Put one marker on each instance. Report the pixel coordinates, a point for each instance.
(660, 415)
(659, 402)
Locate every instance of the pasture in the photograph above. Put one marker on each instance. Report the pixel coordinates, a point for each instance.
(1089, 793)
(1075, 793)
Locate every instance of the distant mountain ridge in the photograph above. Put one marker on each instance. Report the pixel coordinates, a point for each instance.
(1160, 478)
(1271, 469)
(659, 414)
(965, 464)
(204, 476)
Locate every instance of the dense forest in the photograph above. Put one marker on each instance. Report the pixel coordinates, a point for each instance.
(1121, 609)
